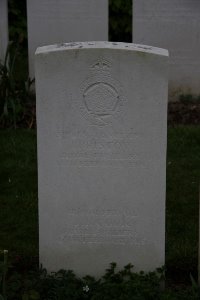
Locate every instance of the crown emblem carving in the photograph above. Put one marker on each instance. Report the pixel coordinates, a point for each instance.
(101, 65)
(101, 99)
(101, 94)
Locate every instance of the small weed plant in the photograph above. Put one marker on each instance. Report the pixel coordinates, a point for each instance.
(113, 285)
(15, 93)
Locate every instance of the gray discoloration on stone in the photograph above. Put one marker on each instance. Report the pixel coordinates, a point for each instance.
(103, 45)
(101, 119)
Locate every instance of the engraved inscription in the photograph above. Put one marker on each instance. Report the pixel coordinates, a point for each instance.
(93, 151)
(92, 146)
(102, 227)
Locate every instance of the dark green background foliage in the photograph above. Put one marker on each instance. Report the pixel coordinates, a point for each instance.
(120, 20)
(17, 20)
(18, 36)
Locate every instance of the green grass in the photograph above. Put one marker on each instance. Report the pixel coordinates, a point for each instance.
(183, 177)
(18, 196)
(18, 192)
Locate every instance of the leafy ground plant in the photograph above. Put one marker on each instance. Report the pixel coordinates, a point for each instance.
(114, 284)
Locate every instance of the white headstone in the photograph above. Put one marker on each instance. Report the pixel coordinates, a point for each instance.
(102, 123)
(59, 21)
(174, 25)
(3, 28)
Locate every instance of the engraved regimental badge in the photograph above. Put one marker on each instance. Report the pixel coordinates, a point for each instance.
(101, 95)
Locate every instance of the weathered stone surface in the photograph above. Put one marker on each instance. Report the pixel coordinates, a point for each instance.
(3, 28)
(59, 21)
(101, 119)
(174, 25)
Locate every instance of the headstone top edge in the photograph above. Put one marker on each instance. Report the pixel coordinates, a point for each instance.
(100, 45)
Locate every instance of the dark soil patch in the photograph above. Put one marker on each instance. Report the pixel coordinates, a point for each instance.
(183, 113)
